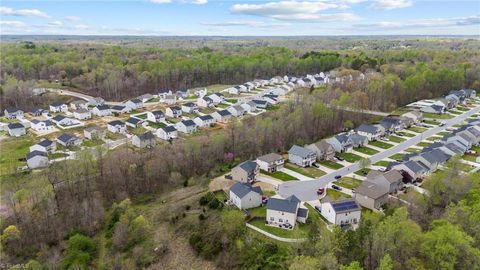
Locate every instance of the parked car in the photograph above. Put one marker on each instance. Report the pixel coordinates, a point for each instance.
(339, 158)
(386, 139)
(318, 208)
(353, 190)
(336, 187)
(264, 199)
(441, 124)
(338, 176)
(320, 191)
(315, 165)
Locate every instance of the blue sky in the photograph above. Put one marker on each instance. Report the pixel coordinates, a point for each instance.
(240, 17)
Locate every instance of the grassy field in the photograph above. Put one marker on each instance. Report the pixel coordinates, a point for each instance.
(463, 109)
(156, 125)
(217, 87)
(260, 211)
(471, 158)
(114, 136)
(417, 129)
(231, 100)
(299, 231)
(153, 100)
(310, 172)
(397, 156)
(348, 182)
(437, 116)
(330, 164)
(92, 143)
(396, 139)
(455, 112)
(362, 172)
(349, 157)
(280, 176)
(17, 149)
(366, 150)
(223, 106)
(423, 144)
(207, 110)
(381, 144)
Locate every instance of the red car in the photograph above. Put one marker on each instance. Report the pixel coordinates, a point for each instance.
(320, 191)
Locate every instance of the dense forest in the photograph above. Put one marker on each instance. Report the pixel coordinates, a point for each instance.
(114, 211)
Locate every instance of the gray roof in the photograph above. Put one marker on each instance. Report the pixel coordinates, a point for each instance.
(146, 136)
(302, 212)
(206, 117)
(116, 123)
(367, 128)
(342, 138)
(169, 129)
(118, 107)
(103, 107)
(136, 100)
(300, 151)
(175, 108)
(288, 205)
(58, 118)
(36, 153)
(57, 104)
(134, 121)
(188, 123)
(12, 110)
(269, 158)
(437, 108)
(157, 113)
(15, 126)
(81, 110)
(414, 166)
(257, 101)
(345, 205)
(371, 190)
(207, 99)
(224, 112)
(249, 166)
(66, 137)
(45, 143)
(356, 138)
(241, 189)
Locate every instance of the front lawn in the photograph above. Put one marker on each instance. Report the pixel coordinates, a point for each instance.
(335, 194)
(231, 100)
(455, 112)
(299, 231)
(223, 106)
(330, 164)
(114, 136)
(279, 175)
(349, 157)
(92, 143)
(363, 172)
(423, 144)
(366, 150)
(430, 122)
(412, 150)
(17, 149)
(396, 139)
(348, 182)
(417, 129)
(382, 163)
(443, 133)
(142, 116)
(397, 156)
(381, 144)
(153, 100)
(437, 116)
(406, 134)
(463, 109)
(309, 171)
(156, 125)
(207, 110)
(273, 107)
(471, 158)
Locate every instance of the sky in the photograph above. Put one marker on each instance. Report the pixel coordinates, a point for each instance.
(240, 17)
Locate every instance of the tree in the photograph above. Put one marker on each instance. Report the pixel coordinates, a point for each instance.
(352, 266)
(304, 263)
(80, 252)
(364, 163)
(386, 263)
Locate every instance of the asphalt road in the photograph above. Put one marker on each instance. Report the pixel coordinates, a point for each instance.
(306, 190)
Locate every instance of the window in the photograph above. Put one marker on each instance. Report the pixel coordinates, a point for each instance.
(280, 220)
(272, 219)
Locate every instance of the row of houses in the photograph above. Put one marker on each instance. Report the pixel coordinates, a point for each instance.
(450, 101)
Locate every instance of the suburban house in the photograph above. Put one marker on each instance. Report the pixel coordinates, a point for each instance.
(133, 122)
(200, 92)
(249, 106)
(162, 94)
(411, 170)
(40, 126)
(457, 141)
(134, 104)
(16, 129)
(217, 98)
(323, 149)
(35, 111)
(79, 104)
(284, 213)
(342, 212)
(82, 114)
(392, 124)
(102, 110)
(245, 196)
(235, 90)
(13, 113)
(37, 159)
(156, 116)
(429, 160)
(371, 195)
(63, 121)
(222, 116)
(146, 97)
(372, 132)
(170, 99)
(434, 108)
(120, 109)
(44, 145)
(261, 104)
(301, 156)
(470, 93)
(245, 172)
(186, 126)
(94, 133)
(236, 110)
(117, 126)
(182, 93)
(358, 140)
(58, 107)
(205, 102)
(146, 140)
(96, 101)
(204, 121)
(167, 133)
(189, 107)
(270, 162)
(271, 99)
(341, 143)
(68, 140)
(452, 101)
(392, 180)
(415, 116)
(173, 111)
(460, 94)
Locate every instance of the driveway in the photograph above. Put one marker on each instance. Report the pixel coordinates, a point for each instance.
(306, 190)
(269, 180)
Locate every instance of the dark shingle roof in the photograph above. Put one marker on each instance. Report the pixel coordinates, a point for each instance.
(270, 157)
(133, 120)
(15, 126)
(224, 112)
(116, 123)
(346, 205)
(414, 166)
(169, 129)
(288, 205)
(302, 212)
(205, 117)
(57, 104)
(241, 189)
(136, 100)
(65, 137)
(58, 118)
(103, 107)
(36, 153)
(300, 151)
(146, 136)
(12, 110)
(188, 123)
(367, 128)
(118, 107)
(249, 166)
(45, 143)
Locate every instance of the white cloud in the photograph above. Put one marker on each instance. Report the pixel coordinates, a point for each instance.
(72, 18)
(81, 26)
(426, 23)
(23, 12)
(200, 2)
(160, 1)
(55, 23)
(13, 24)
(391, 4)
(256, 24)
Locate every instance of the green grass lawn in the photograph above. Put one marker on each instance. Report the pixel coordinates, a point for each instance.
(173, 120)
(396, 139)
(412, 150)
(299, 231)
(156, 125)
(153, 100)
(223, 106)
(443, 133)
(142, 116)
(430, 122)
(348, 182)
(280, 176)
(92, 143)
(406, 134)
(217, 87)
(330, 164)
(366, 150)
(349, 157)
(335, 194)
(260, 211)
(383, 163)
(273, 107)
(437, 116)
(57, 155)
(381, 144)
(455, 112)
(220, 195)
(17, 148)
(471, 158)
(114, 136)
(397, 156)
(309, 171)
(207, 110)
(362, 172)
(231, 100)
(417, 129)
(423, 144)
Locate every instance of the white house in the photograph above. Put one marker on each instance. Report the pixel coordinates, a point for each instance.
(189, 107)
(186, 126)
(16, 129)
(44, 145)
(156, 116)
(245, 196)
(82, 114)
(271, 99)
(204, 102)
(134, 122)
(120, 109)
(217, 98)
(134, 104)
(94, 132)
(301, 156)
(102, 110)
(236, 110)
(372, 132)
(41, 126)
(249, 106)
(170, 99)
(204, 120)
(270, 162)
(37, 159)
(117, 126)
(13, 113)
(342, 212)
(173, 111)
(68, 140)
(79, 104)
(58, 107)
(61, 120)
(200, 92)
(284, 213)
(167, 133)
(222, 116)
